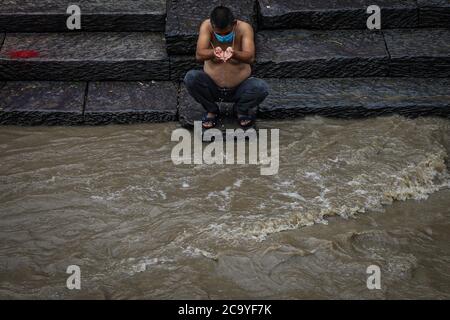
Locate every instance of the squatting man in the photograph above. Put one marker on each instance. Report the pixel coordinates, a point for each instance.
(226, 46)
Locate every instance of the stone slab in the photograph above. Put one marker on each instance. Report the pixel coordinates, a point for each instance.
(328, 15)
(434, 13)
(85, 56)
(342, 98)
(42, 103)
(180, 65)
(356, 97)
(316, 54)
(131, 102)
(97, 15)
(418, 52)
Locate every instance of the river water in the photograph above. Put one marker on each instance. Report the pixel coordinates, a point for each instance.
(348, 194)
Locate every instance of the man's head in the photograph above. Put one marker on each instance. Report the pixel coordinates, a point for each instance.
(222, 20)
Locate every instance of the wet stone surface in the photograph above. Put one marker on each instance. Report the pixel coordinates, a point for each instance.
(419, 52)
(42, 103)
(185, 16)
(85, 56)
(434, 13)
(363, 97)
(324, 14)
(188, 110)
(180, 65)
(343, 98)
(315, 54)
(97, 15)
(131, 102)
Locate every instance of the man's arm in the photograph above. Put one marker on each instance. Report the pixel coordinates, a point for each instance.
(247, 54)
(204, 49)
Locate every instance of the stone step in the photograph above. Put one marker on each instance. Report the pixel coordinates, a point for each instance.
(357, 97)
(81, 103)
(352, 53)
(97, 56)
(315, 54)
(418, 52)
(434, 13)
(98, 15)
(84, 56)
(99, 103)
(185, 16)
(344, 53)
(343, 98)
(327, 15)
(351, 14)
(131, 102)
(42, 103)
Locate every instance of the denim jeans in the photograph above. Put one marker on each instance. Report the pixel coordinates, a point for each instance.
(246, 96)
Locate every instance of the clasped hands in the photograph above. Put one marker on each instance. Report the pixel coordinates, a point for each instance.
(223, 55)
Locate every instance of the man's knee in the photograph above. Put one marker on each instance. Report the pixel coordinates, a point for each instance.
(192, 77)
(259, 88)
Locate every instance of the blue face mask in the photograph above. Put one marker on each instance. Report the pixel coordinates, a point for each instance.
(226, 38)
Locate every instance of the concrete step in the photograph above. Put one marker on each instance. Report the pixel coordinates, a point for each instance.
(84, 56)
(351, 14)
(81, 103)
(98, 15)
(185, 16)
(343, 98)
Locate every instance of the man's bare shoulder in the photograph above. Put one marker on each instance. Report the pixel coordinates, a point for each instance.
(245, 26)
(206, 25)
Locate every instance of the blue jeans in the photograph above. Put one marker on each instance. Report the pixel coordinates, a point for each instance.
(246, 96)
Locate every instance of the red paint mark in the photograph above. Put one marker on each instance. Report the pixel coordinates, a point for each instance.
(23, 54)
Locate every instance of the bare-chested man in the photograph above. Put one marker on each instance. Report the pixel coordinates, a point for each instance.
(227, 48)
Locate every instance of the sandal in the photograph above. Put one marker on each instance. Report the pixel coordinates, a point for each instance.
(250, 119)
(206, 119)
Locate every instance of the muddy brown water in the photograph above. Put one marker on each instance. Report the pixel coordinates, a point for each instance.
(349, 194)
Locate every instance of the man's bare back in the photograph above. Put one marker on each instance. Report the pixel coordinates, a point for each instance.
(236, 69)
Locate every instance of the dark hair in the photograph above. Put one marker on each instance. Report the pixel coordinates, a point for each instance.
(222, 17)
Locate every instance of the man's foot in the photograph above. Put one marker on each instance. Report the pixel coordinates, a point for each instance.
(209, 120)
(246, 121)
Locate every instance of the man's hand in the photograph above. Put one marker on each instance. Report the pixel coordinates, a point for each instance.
(228, 54)
(219, 53)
